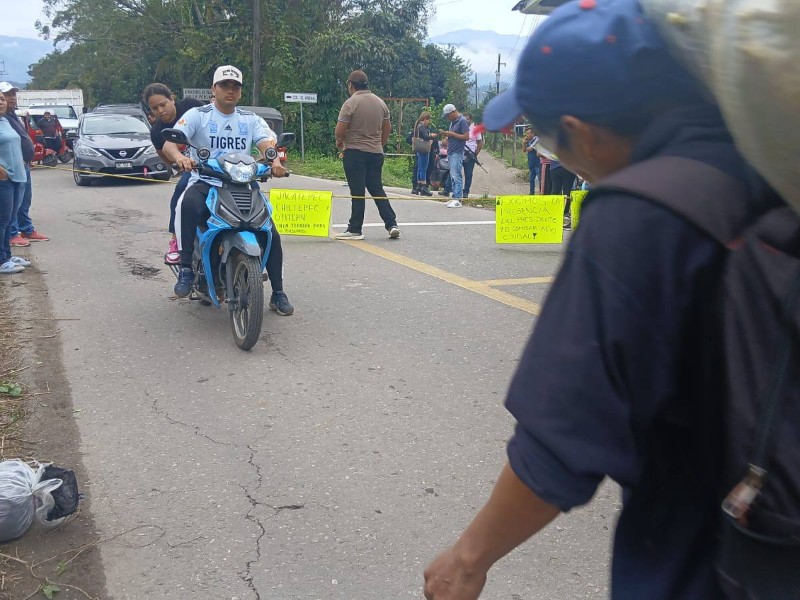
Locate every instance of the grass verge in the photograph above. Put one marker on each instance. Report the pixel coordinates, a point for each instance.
(396, 170)
(13, 395)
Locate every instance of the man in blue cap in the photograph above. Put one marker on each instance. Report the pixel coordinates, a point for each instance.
(620, 377)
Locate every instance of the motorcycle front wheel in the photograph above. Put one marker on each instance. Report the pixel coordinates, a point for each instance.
(248, 298)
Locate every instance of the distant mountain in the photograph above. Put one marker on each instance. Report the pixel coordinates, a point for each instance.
(480, 49)
(18, 54)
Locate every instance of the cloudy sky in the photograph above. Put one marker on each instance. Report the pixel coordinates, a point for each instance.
(451, 15)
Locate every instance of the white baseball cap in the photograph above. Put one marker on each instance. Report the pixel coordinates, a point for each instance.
(227, 73)
(448, 108)
(6, 87)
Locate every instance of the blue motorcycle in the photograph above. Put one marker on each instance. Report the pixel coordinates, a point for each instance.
(231, 251)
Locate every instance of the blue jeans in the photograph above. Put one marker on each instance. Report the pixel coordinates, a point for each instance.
(534, 173)
(422, 166)
(20, 218)
(9, 191)
(456, 175)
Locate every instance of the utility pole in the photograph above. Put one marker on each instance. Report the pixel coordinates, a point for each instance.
(476, 91)
(497, 75)
(256, 51)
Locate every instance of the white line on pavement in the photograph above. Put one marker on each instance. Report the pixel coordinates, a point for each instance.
(428, 224)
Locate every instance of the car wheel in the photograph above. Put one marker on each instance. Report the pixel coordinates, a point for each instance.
(79, 179)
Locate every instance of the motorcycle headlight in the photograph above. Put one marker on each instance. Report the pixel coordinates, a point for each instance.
(149, 151)
(83, 150)
(240, 172)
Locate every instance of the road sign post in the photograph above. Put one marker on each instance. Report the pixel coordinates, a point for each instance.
(301, 98)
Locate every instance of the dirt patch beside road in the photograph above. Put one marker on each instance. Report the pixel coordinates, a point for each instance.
(41, 425)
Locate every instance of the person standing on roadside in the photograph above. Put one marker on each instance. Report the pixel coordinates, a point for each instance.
(13, 176)
(534, 162)
(22, 229)
(473, 149)
(457, 137)
(161, 101)
(563, 180)
(362, 130)
(422, 134)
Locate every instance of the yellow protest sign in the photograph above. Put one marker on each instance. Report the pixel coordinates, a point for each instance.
(529, 219)
(576, 206)
(301, 212)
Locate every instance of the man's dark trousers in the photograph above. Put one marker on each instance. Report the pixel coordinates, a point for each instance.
(363, 170)
(469, 169)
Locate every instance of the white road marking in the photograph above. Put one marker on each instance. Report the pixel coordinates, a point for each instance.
(427, 224)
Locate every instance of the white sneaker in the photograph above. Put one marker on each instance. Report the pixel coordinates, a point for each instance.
(453, 204)
(9, 268)
(22, 262)
(348, 235)
(394, 233)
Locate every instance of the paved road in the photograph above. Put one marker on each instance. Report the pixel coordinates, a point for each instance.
(336, 458)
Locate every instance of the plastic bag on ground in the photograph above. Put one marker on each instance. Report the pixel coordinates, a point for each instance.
(24, 496)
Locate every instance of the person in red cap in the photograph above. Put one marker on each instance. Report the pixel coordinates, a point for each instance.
(621, 376)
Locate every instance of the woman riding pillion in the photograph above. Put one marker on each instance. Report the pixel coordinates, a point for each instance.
(221, 127)
(161, 101)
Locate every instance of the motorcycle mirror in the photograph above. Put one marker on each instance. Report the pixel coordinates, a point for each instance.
(286, 139)
(175, 136)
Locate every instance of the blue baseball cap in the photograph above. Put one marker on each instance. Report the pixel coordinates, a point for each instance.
(592, 58)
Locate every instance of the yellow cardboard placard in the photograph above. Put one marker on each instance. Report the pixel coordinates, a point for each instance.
(302, 212)
(529, 220)
(576, 206)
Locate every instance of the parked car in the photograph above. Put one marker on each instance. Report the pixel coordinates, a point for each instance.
(65, 112)
(119, 144)
(132, 108)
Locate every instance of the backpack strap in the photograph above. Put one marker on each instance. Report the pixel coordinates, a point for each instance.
(705, 196)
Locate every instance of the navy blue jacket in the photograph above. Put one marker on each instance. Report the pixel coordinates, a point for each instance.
(25, 139)
(618, 379)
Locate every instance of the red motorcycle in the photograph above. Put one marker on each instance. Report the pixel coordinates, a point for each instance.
(47, 150)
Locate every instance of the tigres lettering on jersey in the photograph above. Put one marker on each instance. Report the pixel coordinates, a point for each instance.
(206, 127)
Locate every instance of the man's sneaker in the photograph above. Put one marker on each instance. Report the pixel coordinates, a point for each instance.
(394, 233)
(348, 235)
(453, 204)
(415, 191)
(445, 194)
(185, 282)
(567, 222)
(22, 262)
(35, 236)
(19, 241)
(172, 257)
(280, 304)
(9, 268)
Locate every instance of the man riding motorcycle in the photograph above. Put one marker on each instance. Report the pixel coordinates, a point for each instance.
(221, 127)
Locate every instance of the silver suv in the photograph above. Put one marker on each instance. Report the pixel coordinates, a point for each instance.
(114, 144)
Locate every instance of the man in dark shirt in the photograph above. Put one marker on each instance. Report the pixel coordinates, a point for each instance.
(22, 230)
(48, 123)
(619, 377)
(457, 137)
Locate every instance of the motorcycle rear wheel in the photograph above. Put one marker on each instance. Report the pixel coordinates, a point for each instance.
(66, 156)
(50, 160)
(248, 294)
